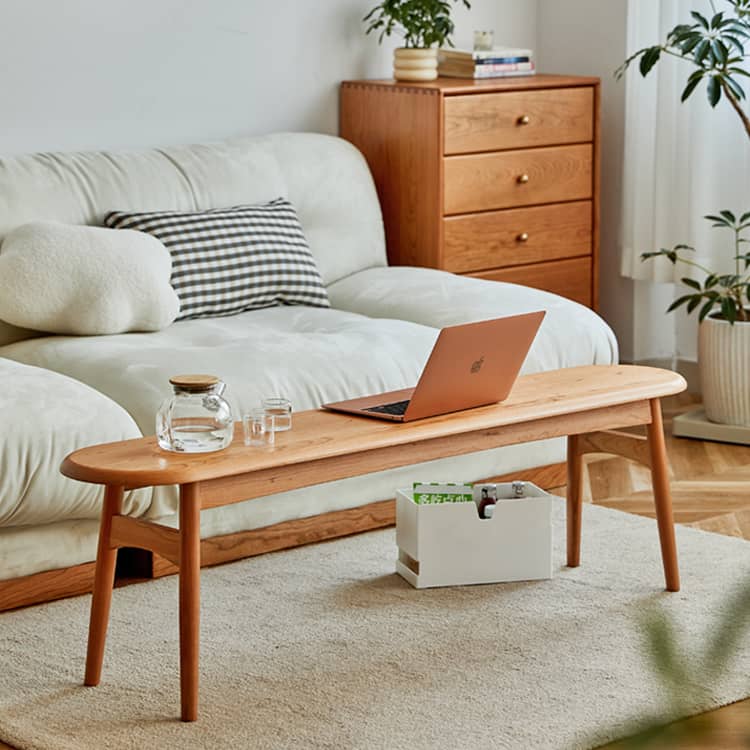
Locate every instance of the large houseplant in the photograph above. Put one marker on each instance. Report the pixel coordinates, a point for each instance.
(715, 48)
(425, 26)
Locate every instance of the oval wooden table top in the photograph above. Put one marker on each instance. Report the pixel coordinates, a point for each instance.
(319, 434)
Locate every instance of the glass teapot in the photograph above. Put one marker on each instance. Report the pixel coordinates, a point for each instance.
(195, 419)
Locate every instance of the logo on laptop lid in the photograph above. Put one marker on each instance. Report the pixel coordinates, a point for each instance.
(477, 366)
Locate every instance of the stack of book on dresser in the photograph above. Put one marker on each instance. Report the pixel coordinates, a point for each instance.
(497, 62)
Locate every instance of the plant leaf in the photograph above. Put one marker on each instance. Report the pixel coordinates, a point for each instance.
(671, 255)
(713, 91)
(701, 51)
(728, 280)
(692, 84)
(736, 42)
(734, 87)
(719, 51)
(729, 309)
(719, 219)
(649, 59)
(687, 281)
(706, 309)
(681, 301)
(700, 19)
(694, 302)
(688, 42)
(680, 31)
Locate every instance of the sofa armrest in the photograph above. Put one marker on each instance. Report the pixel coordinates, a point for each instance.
(571, 334)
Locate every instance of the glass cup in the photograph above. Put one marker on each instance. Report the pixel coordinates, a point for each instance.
(483, 40)
(258, 428)
(281, 410)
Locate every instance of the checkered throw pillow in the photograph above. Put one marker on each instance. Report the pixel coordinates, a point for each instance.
(227, 260)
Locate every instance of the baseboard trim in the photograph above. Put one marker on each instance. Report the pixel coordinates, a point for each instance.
(46, 586)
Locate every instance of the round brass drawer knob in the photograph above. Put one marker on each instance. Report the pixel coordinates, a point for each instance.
(523, 237)
(523, 179)
(523, 120)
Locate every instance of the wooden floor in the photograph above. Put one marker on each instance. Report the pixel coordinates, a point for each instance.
(710, 485)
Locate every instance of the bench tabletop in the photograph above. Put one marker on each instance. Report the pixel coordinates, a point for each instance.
(320, 434)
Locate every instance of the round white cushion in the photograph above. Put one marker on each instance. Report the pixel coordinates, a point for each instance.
(81, 280)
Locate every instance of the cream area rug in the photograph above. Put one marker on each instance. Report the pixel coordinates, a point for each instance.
(325, 647)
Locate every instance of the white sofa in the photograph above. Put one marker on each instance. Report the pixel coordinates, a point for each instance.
(62, 392)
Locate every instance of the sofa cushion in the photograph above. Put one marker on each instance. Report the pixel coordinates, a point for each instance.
(81, 280)
(46, 416)
(570, 335)
(311, 355)
(228, 260)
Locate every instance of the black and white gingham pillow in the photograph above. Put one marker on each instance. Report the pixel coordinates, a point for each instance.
(227, 260)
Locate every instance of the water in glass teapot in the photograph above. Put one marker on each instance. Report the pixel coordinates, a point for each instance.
(195, 418)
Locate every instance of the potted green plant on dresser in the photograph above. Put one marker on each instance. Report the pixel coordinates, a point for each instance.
(715, 47)
(425, 26)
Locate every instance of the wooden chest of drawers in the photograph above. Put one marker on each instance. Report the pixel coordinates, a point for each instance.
(496, 178)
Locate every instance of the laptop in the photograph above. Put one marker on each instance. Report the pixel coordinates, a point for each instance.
(470, 365)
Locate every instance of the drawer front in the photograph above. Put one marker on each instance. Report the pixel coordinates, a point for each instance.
(518, 119)
(516, 236)
(568, 278)
(482, 182)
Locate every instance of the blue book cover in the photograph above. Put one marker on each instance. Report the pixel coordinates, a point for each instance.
(499, 60)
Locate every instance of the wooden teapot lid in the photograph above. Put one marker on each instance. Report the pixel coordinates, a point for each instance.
(194, 382)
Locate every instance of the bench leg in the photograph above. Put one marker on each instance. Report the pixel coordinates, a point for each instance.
(574, 494)
(663, 497)
(104, 578)
(190, 570)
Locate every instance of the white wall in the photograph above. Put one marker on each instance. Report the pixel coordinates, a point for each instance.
(588, 37)
(85, 74)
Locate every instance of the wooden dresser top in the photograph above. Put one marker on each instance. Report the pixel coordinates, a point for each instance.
(449, 86)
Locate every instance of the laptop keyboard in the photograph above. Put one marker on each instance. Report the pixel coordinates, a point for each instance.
(396, 408)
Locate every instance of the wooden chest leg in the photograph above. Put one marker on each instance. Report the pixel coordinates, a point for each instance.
(104, 578)
(190, 570)
(574, 494)
(663, 497)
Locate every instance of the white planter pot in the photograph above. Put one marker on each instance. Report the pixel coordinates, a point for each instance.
(724, 363)
(412, 64)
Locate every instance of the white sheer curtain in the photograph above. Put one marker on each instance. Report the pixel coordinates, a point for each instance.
(682, 161)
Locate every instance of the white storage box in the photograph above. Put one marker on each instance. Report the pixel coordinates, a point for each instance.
(448, 544)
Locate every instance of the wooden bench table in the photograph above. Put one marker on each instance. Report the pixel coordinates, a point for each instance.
(583, 403)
